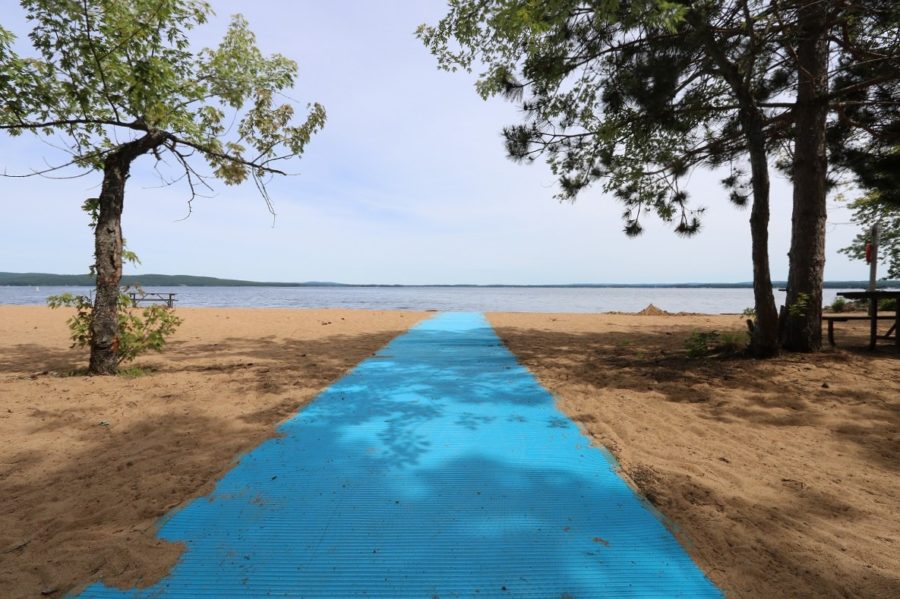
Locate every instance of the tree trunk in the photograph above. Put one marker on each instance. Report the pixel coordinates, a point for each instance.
(108, 265)
(801, 329)
(764, 333)
(108, 251)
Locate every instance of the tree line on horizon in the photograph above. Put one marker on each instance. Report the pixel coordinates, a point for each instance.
(630, 96)
(159, 280)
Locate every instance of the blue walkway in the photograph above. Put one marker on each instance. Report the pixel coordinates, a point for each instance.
(437, 468)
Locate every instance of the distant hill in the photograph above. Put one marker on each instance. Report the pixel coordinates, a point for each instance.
(37, 279)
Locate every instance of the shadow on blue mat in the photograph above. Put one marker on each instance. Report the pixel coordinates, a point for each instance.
(437, 468)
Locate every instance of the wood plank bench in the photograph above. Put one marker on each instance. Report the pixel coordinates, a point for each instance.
(833, 318)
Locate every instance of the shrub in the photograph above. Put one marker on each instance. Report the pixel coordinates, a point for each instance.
(699, 343)
(839, 304)
(888, 304)
(732, 342)
(704, 343)
(140, 330)
(798, 308)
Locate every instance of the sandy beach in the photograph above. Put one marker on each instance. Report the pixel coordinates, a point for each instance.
(89, 464)
(779, 477)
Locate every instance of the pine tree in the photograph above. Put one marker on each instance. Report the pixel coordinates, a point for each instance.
(631, 96)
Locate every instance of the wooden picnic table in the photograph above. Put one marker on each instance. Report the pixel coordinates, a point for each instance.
(874, 297)
(166, 298)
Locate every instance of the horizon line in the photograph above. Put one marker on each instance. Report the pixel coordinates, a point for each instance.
(208, 281)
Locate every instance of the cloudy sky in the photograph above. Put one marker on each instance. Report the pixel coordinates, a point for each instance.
(408, 183)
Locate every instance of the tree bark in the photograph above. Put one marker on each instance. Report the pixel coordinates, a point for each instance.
(108, 252)
(801, 328)
(108, 266)
(764, 333)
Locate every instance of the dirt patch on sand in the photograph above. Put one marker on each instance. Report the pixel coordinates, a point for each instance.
(782, 477)
(89, 464)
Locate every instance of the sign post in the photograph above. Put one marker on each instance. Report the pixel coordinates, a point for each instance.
(873, 255)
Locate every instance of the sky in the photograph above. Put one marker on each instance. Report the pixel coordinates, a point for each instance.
(408, 183)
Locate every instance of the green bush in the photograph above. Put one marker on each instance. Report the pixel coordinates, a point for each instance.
(699, 343)
(732, 342)
(799, 308)
(839, 304)
(140, 330)
(888, 304)
(704, 343)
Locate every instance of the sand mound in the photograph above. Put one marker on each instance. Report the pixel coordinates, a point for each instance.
(652, 310)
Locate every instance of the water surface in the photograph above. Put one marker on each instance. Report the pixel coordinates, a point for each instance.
(459, 299)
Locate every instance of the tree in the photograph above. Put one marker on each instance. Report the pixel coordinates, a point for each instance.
(635, 95)
(874, 163)
(870, 210)
(877, 170)
(864, 133)
(801, 327)
(864, 138)
(118, 80)
(846, 59)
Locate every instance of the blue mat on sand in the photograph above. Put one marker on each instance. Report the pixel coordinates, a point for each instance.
(437, 468)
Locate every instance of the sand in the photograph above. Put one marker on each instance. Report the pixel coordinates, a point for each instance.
(780, 477)
(89, 464)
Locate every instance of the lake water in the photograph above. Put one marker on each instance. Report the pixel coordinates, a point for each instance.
(478, 299)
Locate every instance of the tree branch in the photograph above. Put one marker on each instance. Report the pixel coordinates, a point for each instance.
(87, 27)
(136, 125)
(224, 156)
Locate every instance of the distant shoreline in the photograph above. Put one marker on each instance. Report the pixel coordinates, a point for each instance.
(8, 279)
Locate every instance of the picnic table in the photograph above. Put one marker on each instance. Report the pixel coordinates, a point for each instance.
(165, 298)
(873, 297)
